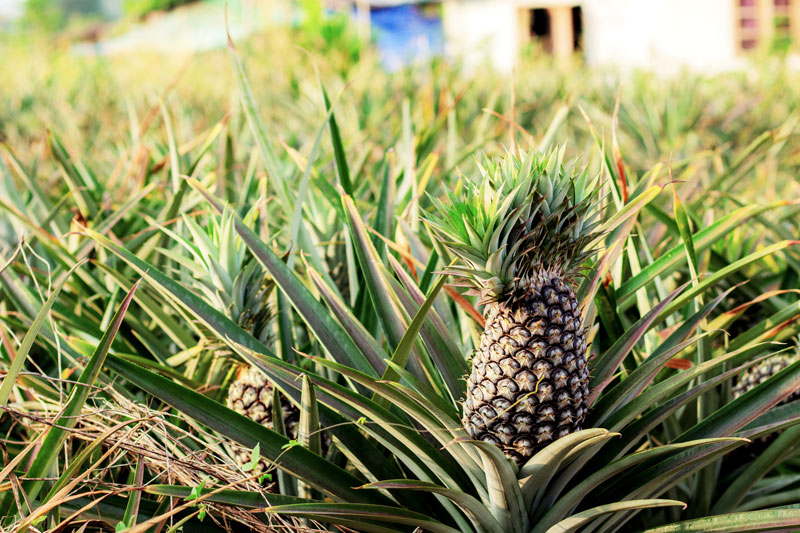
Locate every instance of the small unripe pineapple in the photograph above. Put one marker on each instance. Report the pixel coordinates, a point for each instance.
(251, 395)
(756, 375)
(234, 282)
(748, 380)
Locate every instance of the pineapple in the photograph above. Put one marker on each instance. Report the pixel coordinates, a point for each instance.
(521, 235)
(748, 380)
(251, 395)
(237, 284)
(756, 375)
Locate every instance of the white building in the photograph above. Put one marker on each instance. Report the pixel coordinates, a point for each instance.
(11, 9)
(707, 35)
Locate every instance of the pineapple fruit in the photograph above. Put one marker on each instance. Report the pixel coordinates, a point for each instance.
(251, 395)
(756, 375)
(521, 235)
(748, 380)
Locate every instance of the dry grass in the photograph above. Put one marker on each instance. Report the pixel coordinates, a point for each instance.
(130, 432)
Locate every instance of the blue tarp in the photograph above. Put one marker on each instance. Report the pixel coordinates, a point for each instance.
(404, 34)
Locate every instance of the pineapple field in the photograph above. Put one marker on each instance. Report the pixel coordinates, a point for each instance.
(277, 288)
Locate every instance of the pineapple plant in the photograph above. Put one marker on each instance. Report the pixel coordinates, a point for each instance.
(521, 236)
(232, 281)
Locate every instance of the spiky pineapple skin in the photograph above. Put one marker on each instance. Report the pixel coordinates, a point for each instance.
(529, 380)
(746, 381)
(758, 374)
(251, 395)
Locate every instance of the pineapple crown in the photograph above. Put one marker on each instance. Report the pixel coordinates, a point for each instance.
(229, 277)
(526, 215)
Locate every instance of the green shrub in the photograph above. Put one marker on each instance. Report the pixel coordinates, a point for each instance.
(138, 8)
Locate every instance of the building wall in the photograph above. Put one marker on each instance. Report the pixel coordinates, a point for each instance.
(481, 32)
(660, 34)
(663, 35)
(11, 9)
